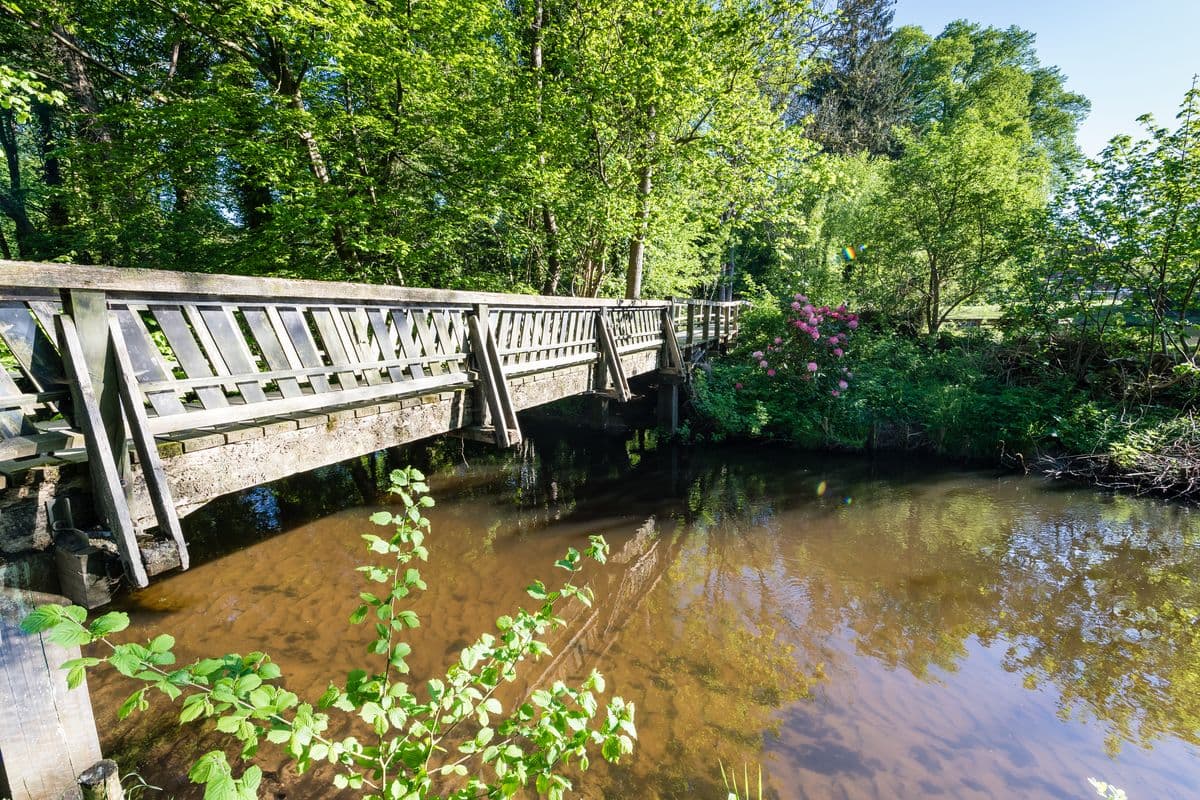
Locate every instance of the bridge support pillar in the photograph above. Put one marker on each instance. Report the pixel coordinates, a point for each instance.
(668, 405)
(598, 411)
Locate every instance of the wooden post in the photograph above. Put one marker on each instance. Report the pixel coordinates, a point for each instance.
(102, 461)
(691, 325)
(89, 311)
(47, 731)
(598, 411)
(672, 358)
(611, 356)
(707, 330)
(492, 380)
(101, 781)
(668, 406)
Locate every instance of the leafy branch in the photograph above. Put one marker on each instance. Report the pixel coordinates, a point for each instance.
(451, 738)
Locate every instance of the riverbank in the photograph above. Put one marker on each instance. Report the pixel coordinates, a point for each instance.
(968, 397)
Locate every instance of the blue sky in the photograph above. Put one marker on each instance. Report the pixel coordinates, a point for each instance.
(1129, 57)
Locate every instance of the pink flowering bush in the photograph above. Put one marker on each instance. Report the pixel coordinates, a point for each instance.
(812, 347)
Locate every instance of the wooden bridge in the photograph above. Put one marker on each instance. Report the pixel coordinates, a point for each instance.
(175, 388)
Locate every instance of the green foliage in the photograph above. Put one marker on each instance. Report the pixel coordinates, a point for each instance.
(454, 143)
(1124, 248)
(953, 213)
(451, 738)
(946, 396)
(20, 89)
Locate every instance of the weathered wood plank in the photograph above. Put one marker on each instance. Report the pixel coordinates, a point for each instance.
(13, 422)
(34, 444)
(366, 349)
(296, 328)
(331, 342)
(89, 320)
(146, 362)
(502, 333)
(47, 731)
(407, 337)
(187, 352)
(30, 346)
(425, 336)
(385, 340)
(492, 380)
(310, 402)
(272, 349)
(146, 282)
(282, 336)
(674, 358)
(349, 342)
(446, 343)
(234, 351)
(612, 358)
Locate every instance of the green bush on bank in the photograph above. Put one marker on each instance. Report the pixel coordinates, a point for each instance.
(960, 394)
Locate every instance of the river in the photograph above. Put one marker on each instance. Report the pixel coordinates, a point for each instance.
(859, 628)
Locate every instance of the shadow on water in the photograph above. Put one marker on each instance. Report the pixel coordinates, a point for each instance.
(861, 627)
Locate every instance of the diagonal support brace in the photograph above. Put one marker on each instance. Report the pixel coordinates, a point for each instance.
(611, 356)
(493, 384)
(106, 478)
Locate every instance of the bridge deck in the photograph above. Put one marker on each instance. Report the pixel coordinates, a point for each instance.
(220, 383)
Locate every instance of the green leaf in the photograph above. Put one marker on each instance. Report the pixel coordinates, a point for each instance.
(112, 622)
(247, 683)
(75, 677)
(161, 643)
(193, 708)
(42, 618)
(382, 518)
(69, 634)
(135, 701)
(207, 666)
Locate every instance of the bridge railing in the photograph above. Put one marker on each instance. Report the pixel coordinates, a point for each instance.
(142, 354)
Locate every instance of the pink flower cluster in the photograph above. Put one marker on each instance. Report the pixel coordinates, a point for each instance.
(819, 336)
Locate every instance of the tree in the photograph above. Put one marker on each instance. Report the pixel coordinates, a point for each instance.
(1128, 240)
(860, 96)
(953, 213)
(969, 67)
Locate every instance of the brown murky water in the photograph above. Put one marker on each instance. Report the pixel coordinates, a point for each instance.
(860, 629)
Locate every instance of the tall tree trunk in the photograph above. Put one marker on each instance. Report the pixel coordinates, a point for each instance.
(57, 217)
(83, 91)
(12, 199)
(934, 302)
(319, 170)
(254, 199)
(277, 69)
(637, 245)
(641, 219)
(549, 220)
